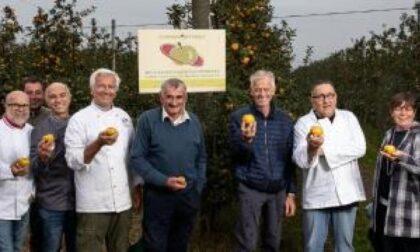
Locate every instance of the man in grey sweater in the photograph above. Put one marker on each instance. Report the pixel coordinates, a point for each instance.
(53, 179)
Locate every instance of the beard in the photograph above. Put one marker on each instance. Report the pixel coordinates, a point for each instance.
(19, 118)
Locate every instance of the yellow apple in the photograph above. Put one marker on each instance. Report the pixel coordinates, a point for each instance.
(111, 131)
(48, 138)
(248, 119)
(182, 180)
(316, 131)
(390, 149)
(24, 162)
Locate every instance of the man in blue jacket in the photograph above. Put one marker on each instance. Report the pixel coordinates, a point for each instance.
(262, 152)
(169, 153)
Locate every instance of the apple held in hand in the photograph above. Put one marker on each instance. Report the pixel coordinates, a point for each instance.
(111, 131)
(182, 180)
(316, 131)
(390, 149)
(248, 119)
(24, 162)
(48, 138)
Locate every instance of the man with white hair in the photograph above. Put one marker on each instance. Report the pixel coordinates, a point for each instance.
(97, 142)
(16, 185)
(261, 138)
(53, 179)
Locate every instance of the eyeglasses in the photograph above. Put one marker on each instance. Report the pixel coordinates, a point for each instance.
(406, 109)
(17, 105)
(328, 96)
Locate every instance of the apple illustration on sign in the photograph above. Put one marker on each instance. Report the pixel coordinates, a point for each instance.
(182, 54)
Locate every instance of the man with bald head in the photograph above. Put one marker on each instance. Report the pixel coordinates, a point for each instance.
(53, 179)
(328, 143)
(16, 185)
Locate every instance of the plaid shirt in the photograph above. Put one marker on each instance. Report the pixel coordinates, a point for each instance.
(403, 211)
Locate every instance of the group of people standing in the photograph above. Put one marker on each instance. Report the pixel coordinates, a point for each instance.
(80, 176)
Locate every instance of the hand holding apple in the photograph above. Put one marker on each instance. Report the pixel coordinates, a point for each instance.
(391, 152)
(389, 149)
(108, 136)
(248, 127)
(315, 140)
(175, 183)
(46, 147)
(182, 181)
(21, 166)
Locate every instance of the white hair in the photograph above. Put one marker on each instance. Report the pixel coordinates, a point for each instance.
(261, 74)
(101, 72)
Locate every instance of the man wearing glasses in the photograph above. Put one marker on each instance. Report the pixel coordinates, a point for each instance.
(328, 143)
(16, 185)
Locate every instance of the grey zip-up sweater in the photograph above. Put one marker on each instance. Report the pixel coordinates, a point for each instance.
(54, 181)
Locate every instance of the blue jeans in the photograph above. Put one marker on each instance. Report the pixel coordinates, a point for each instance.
(12, 233)
(54, 225)
(315, 228)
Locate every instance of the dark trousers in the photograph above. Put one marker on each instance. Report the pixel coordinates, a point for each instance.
(401, 244)
(35, 240)
(377, 238)
(168, 219)
(258, 211)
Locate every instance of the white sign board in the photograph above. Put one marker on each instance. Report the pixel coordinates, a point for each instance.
(197, 57)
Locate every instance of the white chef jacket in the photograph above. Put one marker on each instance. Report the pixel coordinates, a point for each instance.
(102, 185)
(15, 192)
(332, 179)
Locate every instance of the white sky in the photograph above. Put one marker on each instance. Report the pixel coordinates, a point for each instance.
(326, 34)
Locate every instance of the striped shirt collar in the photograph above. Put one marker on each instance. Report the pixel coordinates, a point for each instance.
(11, 124)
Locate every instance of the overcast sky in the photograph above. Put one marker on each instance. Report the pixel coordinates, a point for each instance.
(326, 34)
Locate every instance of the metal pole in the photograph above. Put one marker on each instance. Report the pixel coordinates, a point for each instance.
(113, 43)
(417, 6)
